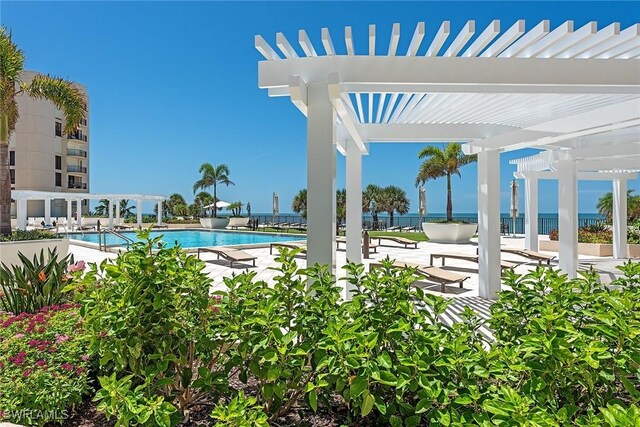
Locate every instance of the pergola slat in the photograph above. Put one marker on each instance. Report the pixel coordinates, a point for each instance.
(439, 39)
(505, 40)
(416, 40)
(528, 39)
(592, 42)
(463, 37)
(492, 30)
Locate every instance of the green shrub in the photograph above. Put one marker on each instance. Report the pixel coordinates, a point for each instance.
(19, 235)
(240, 412)
(151, 320)
(36, 283)
(43, 365)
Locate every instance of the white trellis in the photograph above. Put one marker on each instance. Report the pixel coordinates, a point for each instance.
(494, 89)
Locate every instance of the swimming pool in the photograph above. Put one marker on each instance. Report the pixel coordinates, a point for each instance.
(193, 238)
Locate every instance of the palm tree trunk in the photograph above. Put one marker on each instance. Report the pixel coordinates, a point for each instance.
(5, 177)
(215, 201)
(391, 219)
(449, 204)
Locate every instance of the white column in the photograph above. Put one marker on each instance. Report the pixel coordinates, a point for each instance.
(21, 214)
(110, 213)
(139, 213)
(79, 212)
(47, 211)
(321, 178)
(568, 217)
(69, 214)
(489, 273)
(354, 202)
(531, 214)
(620, 248)
(117, 212)
(159, 218)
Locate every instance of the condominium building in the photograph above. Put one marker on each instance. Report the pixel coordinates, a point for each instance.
(42, 157)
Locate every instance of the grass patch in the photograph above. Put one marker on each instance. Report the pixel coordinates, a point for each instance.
(418, 237)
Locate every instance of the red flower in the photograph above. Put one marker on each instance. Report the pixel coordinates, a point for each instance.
(41, 362)
(42, 277)
(67, 366)
(26, 373)
(80, 371)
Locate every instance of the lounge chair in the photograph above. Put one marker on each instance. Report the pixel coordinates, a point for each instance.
(533, 255)
(373, 247)
(400, 240)
(505, 265)
(431, 273)
(231, 255)
(289, 245)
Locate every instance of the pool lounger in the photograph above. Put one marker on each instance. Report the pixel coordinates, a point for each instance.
(526, 253)
(373, 247)
(400, 240)
(231, 255)
(290, 245)
(505, 265)
(431, 273)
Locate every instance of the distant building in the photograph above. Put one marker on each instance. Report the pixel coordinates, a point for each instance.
(43, 158)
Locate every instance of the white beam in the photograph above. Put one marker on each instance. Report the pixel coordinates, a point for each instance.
(265, 49)
(582, 176)
(21, 214)
(305, 43)
(327, 43)
(554, 36)
(418, 132)
(349, 122)
(582, 33)
(411, 74)
(416, 40)
(372, 40)
(613, 164)
(527, 40)
(439, 39)
(47, 211)
(298, 93)
(489, 272)
(395, 38)
(348, 40)
(354, 202)
(69, 214)
(483, 39)
(568, 217)
(531, 214)
(139, 213)
(627, 39)
(110, 213)
(285, 47)
(159, 217)
(321, 178)
(506, 39)
(463, 37)
(592, 43)
(620, 248)
(117, 212)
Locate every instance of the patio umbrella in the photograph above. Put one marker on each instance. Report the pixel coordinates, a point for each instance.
(220, 204)
(422, 205)
(514, 204)
(276, 211)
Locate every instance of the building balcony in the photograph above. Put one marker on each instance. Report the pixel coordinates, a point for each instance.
(77, 169)
(76, 153)
(78, 136)
(77, 185)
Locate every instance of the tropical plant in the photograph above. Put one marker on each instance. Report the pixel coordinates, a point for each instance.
(35, 283)
(126, 211)
(211, 177)
(341, 205)
(605, 206)
(180, 210)
(372, 193)
(235, 208)
(299, 204)
(63, 94)
(242, 411)
(393, 199)
(102, 209)
(174, 200)
(18, 235)
(441, 162)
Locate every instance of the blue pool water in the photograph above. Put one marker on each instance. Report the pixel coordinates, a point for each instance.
(194, 238)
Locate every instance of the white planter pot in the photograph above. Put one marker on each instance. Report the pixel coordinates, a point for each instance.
(449, 233)
(29, 248)
(238, 222)
(214, 223)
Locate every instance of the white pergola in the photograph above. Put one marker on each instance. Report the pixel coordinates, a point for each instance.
(611, 156)
(494, 89)
(22, 196)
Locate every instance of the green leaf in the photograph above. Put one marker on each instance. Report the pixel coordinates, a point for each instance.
(367, 404)
(313, 400)
(412, 421)
(358, 385)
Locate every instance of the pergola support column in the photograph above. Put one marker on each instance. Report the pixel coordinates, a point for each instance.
(110, 213)
(321, 177)
(159, 217)
(568, 217)
(139, 213)
(489, 273)
(531, 214)
(69, 213)
(620, 248)
(47, 211)
(354, 208)
(21, 214)
(117, 212)
(79, 212)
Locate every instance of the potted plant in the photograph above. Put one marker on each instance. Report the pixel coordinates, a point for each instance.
(444, 162)
(237, 220)
(211, 177)
(30, 243)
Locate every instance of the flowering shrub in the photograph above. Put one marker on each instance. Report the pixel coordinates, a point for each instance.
(43, 364)
(36, 283)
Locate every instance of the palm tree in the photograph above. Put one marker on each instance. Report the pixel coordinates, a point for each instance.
(605, 206)
(394, 199)
(211, 177)
(341, 205)
(201, 200)
(370, 194)
(174, 200)
(125, 210)
(299, 204)
(63, 94)
(235, 208)
(103, 208)
(442, 162)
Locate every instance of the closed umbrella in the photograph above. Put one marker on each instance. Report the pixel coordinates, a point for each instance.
(248, 209)
(276, 211)
(422, 208)
(514, 204)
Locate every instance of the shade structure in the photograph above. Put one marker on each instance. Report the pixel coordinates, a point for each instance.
(276, 208)
(514, 199)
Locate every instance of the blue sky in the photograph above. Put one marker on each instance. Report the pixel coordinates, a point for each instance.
(173, 85)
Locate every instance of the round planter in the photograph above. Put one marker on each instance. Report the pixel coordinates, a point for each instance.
(29, 248)
(214, 223)
(449, 233)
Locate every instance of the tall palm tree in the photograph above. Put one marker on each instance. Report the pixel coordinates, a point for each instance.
(201, 200)
(442, 162)
(605, 206)
(299, 204)
(394, 199)
(370, 194)
(62, 93)
(211, 177)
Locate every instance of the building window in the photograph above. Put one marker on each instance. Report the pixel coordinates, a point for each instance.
(12, 158)
(58, 128)
(58, 162)
(13, 176)
(58, 179)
